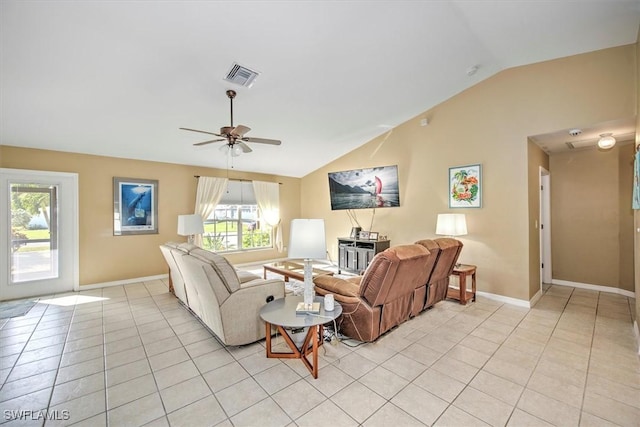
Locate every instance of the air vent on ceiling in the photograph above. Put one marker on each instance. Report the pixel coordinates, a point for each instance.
(581, 144)
(240, 75)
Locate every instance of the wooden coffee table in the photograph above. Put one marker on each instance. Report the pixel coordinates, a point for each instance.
(291, 269)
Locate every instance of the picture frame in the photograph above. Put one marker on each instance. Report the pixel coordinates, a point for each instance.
(135, 206)
(363, 235)
(465, 186)
(373, 235)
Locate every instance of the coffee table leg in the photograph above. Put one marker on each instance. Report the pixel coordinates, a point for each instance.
(311, 338)
(268, 337)
(314, 372)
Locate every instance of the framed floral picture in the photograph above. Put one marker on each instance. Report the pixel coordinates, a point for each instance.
(465, 186)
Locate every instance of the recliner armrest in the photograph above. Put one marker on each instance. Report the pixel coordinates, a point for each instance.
(336, 285)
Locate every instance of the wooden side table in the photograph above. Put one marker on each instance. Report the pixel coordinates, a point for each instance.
(281, 313)
(462, 294)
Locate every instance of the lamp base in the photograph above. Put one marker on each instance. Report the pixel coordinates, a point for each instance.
(309, 292)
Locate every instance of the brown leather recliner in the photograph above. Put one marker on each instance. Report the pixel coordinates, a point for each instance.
(438, 283)
(420, 294)
(383, 297)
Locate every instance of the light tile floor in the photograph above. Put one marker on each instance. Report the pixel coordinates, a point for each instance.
(132, 355)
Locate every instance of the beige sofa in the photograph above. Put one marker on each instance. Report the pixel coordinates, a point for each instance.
(226, 300)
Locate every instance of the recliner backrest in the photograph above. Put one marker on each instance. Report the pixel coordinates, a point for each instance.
(174, 271)
(434, 249)
(449, 252)
(394, 272)
(222, 267)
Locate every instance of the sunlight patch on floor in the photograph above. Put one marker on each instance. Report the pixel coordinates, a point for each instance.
(71, 300)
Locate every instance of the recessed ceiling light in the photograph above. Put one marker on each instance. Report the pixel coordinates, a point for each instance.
(606, 141)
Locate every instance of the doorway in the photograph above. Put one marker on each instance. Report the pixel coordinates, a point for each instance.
(545, 229)
(39, 238)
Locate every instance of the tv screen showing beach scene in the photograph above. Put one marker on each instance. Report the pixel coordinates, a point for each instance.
(364, 188)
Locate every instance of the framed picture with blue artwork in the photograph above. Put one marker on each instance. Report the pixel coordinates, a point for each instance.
(135, 206)
(465, 186)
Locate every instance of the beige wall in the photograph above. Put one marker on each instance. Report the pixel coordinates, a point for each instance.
(488, 124)
(626, 229)
(591, 216)
(105, 257)
(636, 213)
(537, 159)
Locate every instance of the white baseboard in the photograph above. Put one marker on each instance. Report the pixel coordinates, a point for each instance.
(508, 300)
(598, 288)
(122, 282)
(535, 298)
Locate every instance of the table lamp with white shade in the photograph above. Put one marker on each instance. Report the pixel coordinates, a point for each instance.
(307, 241)
(190, 225)
(451, 225)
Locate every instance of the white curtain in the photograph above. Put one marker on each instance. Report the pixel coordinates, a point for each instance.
(268, 199)
(209, 193)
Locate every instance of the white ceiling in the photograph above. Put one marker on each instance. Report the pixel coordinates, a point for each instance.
(119, 78)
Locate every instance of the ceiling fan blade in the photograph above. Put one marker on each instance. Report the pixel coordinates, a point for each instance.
(200, 131)
(240, 130)
(208, 142)
(262, 140)
(245, 147)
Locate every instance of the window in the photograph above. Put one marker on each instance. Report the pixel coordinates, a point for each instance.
(236, 223)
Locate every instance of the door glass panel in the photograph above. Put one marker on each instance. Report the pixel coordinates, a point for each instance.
(34, 232)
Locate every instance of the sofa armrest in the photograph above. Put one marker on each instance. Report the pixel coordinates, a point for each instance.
(240, 312)
(246, 276)
(326, 284)
(256, 292)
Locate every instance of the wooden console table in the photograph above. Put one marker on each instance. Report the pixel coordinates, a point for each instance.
(355, 255)
(462, 294)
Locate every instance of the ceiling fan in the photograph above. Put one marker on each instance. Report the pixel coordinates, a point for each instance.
(234, 136)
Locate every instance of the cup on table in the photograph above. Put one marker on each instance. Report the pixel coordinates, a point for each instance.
(328, 302)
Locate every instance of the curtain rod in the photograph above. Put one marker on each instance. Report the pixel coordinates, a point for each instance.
(234, 179)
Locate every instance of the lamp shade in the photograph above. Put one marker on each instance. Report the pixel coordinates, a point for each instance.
(451, 225)
(307, 239)
(190, 224)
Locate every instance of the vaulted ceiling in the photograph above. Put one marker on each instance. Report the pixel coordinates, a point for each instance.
(119, 78)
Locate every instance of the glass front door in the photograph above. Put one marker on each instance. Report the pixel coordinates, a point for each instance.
(38, 233)
(34, 232)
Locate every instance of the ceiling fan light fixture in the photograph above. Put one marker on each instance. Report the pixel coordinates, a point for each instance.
(606, 141)
(233, 150)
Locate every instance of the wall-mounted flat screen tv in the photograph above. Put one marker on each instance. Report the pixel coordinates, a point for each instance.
(364, 188)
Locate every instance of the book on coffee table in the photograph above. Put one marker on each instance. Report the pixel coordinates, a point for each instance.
(303, 309)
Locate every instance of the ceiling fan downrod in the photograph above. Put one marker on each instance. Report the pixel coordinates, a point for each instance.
(231, 94)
